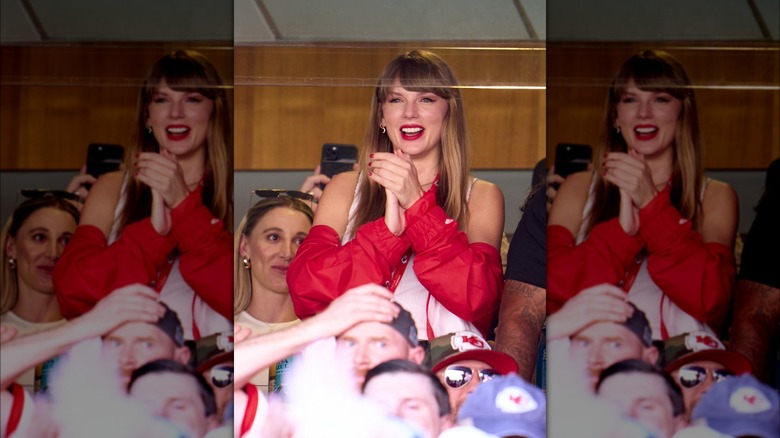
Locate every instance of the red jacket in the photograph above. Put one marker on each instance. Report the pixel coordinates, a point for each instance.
(698, 277)
(90, 269)
(465, 278)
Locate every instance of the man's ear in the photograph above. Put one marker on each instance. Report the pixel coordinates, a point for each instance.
(650, 355)
(416, 355)
(182, 355)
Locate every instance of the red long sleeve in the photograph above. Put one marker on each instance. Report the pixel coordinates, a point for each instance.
(698, 277)
(466, 278)
(90, 269)
(603, 258)
(323, 269)
(205, 253)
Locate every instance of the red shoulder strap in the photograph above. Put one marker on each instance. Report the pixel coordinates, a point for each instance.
(16, 408)
(251, 408)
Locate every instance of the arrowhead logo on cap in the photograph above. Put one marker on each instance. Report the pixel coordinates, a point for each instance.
(515, 400)
(699, 341)
(749, 400)
(465, 341)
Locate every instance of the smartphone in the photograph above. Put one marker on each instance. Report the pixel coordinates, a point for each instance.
(572, 158)
(103, 158)
(337, 158)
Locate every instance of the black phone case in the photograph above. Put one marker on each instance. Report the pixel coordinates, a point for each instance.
(572, 158)
(103, 158)
(337, 158)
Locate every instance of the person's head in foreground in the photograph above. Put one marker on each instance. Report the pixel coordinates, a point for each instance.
(214, 361)
(177, 393)
(368, 344)
(602, 344)
(506, 406)
(462, 361)
(698, 360)
(134, 344)
(740, 406)
(411, 392)
(645, 392)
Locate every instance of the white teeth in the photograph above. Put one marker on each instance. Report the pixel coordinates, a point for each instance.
(646, 130)
(411, 130)
(178, 130)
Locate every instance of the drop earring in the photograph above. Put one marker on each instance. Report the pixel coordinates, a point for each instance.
(384, 130)
(245, 262)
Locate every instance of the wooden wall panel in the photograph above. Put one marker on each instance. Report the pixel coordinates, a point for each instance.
(57, 99)
(738, 93)
(292, 99)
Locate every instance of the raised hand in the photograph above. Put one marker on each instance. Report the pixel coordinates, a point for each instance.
(630, 173)
(600, 303)
(312, 185)
(163, 173)
(78, 184)
(396, 172)
(134, 302)
(369, 302)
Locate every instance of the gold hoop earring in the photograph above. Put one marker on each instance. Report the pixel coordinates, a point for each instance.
(245, 262)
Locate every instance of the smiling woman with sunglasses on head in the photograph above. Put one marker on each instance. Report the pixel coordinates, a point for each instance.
(265, 243)
(164, 223)
(32, 242)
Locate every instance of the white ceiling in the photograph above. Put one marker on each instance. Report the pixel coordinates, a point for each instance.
(268, 21)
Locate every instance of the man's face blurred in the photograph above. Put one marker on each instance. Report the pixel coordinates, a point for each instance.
(409, 397)
(135, 344)
(176, 397)
(644, 397)
(370, 343)
(601, 344)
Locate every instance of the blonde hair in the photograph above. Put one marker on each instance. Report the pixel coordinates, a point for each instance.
(186, 70)
(658, 71)
(242, 278)
(9, 281)
(420, 71)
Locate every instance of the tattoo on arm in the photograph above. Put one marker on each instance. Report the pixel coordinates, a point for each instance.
(756, 314)
(520, 321)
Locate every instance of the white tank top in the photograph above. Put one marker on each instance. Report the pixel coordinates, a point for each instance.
(177, 294)
(647, 296)
(411, 294)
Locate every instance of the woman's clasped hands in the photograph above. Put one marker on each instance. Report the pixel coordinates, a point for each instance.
(397, 174)
(163, 174)
(631, 174)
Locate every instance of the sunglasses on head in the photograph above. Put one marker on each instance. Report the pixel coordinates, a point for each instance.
(275, 193)
(456, 376)
(691, 376)
(40, 193)
(221, 376)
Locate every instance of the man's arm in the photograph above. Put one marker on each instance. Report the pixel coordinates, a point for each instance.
(520, 321)
(756, 315)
